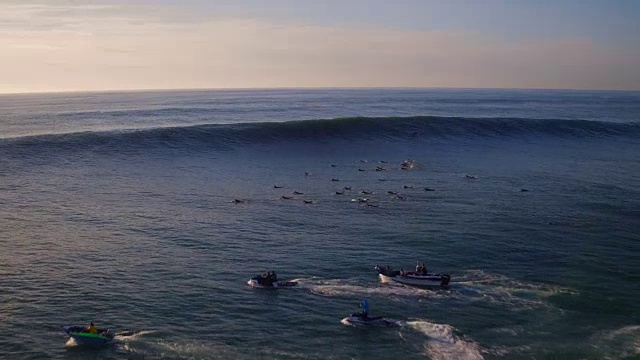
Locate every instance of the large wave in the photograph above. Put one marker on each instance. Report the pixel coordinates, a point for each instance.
(416, 128)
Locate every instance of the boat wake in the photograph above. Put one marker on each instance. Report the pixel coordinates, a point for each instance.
(70, 343)
(444, 342)
(477, 285)
(133, 335)
(193, 350)
(472, 286)
(620, 343)
(342, 287)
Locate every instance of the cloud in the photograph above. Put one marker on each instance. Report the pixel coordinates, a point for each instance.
(103, 47)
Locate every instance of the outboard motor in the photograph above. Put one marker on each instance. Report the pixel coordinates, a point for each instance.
(445, 278)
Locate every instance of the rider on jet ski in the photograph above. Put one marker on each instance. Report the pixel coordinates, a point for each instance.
(269, 278)
(364, 305)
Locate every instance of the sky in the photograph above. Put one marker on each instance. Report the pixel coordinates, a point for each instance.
(195, 44)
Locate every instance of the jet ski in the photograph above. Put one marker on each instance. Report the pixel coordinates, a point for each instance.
(81, 336)
(360, 319)
(269, 282)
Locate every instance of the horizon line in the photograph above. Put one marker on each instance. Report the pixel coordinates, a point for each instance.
(149, 90)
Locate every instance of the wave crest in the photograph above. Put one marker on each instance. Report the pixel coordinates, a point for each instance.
(239, 135)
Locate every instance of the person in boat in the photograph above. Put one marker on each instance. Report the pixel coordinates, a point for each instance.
(274, 277)
(421, 269)
(92, 329)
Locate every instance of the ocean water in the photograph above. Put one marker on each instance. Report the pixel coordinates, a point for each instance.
(118, 208)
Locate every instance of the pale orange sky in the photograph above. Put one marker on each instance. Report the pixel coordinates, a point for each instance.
(93, 47)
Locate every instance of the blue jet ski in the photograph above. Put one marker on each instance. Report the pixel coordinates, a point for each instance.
(360, 319)
(82, 336)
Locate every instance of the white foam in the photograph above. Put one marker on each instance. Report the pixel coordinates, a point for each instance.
(500, 289)
(134, 336)
(444, 344)
(480, 278)
(627, 330)
(620, 343)
(341, 287)
(195, 349)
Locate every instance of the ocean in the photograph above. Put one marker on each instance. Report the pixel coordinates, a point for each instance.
(147, 212)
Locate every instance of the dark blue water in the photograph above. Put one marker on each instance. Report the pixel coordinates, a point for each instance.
(117, 208)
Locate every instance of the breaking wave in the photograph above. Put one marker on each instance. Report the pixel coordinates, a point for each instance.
(233, 136)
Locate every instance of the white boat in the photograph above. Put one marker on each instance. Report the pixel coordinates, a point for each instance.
(388, 275)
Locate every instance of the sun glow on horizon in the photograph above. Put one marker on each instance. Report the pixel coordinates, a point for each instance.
(128, 47)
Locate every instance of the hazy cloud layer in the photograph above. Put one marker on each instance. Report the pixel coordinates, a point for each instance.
(103, 47)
